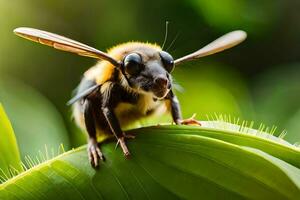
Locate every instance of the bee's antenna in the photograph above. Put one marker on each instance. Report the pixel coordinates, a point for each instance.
(173, 41)
(166, 35)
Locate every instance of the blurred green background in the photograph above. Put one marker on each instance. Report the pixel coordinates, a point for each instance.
(258, 80)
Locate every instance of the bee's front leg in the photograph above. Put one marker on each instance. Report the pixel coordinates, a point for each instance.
(175, 108)
(176, 113)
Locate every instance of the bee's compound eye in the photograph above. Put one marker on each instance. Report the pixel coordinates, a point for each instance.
(133, 63)
(167, 60)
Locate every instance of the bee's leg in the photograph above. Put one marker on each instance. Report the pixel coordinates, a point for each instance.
(191, 121)
(175, 109)
(115, 128)
(176, 113)
(94, 151)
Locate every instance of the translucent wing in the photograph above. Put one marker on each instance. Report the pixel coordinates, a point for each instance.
(63, 43)
(225, 42)
(82, 94)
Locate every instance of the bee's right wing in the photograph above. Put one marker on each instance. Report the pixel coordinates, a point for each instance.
(222, 43)
(63, 43)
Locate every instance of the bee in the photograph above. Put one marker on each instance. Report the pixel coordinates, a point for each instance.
(130, 82)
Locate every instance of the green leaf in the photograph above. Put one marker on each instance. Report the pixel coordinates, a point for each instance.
(168, 162)
(255, 139)
(9, 152)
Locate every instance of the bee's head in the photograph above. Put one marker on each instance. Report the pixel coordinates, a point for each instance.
(149, 71)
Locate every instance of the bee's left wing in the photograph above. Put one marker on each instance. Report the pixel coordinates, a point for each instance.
(63, 43)
(83, 94)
